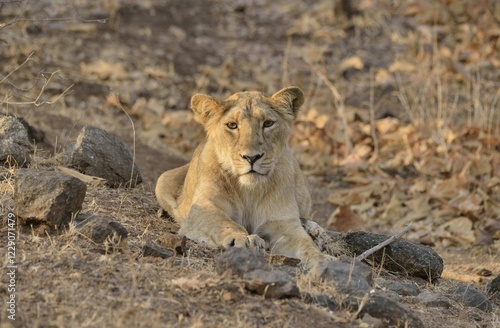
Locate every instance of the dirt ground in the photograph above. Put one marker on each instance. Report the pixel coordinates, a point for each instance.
(423, 77)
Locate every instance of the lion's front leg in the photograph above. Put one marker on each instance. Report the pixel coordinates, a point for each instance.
(288, 237)
(213, 226)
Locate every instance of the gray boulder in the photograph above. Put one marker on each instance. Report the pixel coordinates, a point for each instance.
(15, 148)
(99, 153)
(47, 197)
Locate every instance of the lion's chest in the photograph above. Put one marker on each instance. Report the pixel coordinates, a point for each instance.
(253, 209)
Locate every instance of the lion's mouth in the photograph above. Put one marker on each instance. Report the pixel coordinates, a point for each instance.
(252, 172)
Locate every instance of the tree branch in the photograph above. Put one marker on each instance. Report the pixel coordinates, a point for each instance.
(386, 242)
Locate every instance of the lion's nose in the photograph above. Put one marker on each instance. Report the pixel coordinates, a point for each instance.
(252, 158)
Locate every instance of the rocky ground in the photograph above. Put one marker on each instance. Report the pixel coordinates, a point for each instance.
(401, 125)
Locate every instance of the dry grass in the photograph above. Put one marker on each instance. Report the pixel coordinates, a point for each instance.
(66, 278)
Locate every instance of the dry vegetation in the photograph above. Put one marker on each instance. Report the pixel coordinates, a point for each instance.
(401, 124)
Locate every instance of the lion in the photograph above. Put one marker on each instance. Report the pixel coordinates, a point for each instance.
(243, 186)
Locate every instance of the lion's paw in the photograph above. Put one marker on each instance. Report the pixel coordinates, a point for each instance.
(247, 241)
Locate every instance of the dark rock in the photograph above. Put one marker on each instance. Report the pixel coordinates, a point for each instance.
(47, 197)
(35, 135)
(99, 153)
(152, 249)
(102, 230)
(390, 311)
(253, 267)
(321, 300)
(240, 260)
(434, 300)
(349, 279)
(401, 288)
(400, 256)
(271, 284)
(364, 269)
(15, 148)
(493, 287)
(470, 296)
(284, 263)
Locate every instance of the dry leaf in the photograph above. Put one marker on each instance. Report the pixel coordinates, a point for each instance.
(193, 283)
(356, 195)
(104, 70)
(433, 166)
(419, 208)
(359, 154)
(352, 62)
(388, 124)
(471, 205)
(344, 220)
(402, 66)
(113, 100)
(156, 72)
(445, 189)
(393, 209)
(458, 231)
(383, 76)
(419, 186)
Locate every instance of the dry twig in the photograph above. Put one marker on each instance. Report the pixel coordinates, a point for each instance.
(37, 101)
(386, 242)
(18, 67)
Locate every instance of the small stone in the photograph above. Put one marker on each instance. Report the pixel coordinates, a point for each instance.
(240, 260)
(401, 288)
(102, 230)
(349, 279)
(101, 154)
(470, 296)
(47, 197)
(15, 148)
(321, 300)
(271, 284)
(434, 300)
(152, 249)
(388, 310)
(493, 287)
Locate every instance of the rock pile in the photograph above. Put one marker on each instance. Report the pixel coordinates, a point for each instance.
(54, 198)
(259, 276)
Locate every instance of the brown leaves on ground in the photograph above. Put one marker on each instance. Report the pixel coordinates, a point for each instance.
(445, 179)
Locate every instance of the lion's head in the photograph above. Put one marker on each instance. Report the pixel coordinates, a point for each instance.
(249, 130)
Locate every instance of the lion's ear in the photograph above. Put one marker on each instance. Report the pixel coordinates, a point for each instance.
(291, 97)
(204, 107)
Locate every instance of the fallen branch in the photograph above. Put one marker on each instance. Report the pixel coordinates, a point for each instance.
(386, 242)
(448, 274)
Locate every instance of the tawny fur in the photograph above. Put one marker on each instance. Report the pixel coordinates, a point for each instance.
(243, 186)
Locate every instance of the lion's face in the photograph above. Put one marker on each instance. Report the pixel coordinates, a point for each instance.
(248, 130)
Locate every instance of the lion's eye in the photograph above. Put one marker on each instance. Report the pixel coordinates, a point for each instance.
(268, 123)
(232, 125)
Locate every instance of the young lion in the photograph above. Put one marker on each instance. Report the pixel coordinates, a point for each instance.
(243, 187)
